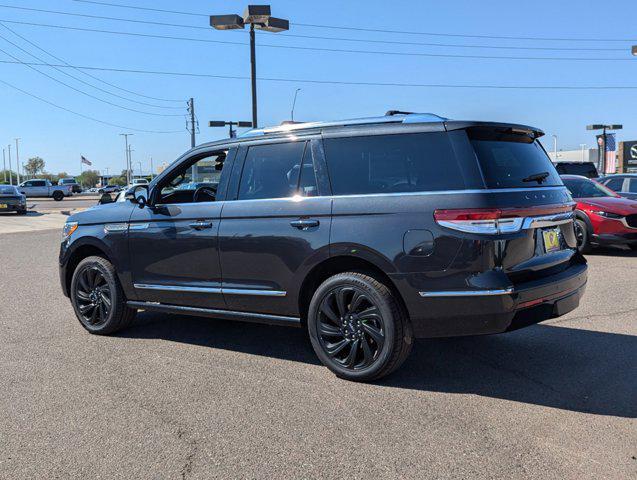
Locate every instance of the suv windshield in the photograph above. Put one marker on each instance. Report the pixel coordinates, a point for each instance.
(510, 160)
(583, 188)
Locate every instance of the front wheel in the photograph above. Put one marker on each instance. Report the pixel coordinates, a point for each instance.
(582, 236)
(97, 297)
(58, 196)
(358, 328)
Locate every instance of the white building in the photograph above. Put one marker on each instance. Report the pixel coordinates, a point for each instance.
(586, 155)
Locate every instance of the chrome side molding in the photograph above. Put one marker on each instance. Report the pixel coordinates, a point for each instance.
(467, 293)
(217, 290)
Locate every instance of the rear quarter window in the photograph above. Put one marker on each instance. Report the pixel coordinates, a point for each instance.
(394, 164)
(508, 159)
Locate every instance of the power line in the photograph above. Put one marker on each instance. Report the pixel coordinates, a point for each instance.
(376, 30)
(81, 114)
(77, 89)
(319, 49)
(73, 76)
(315, 37)
(339, 82)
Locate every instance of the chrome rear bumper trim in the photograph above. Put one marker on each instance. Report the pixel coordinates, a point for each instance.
(467, 293)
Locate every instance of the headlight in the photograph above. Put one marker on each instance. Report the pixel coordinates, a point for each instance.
(607, 214)
(68, 229)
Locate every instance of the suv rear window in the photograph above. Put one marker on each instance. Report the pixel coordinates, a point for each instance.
(393, 164)
(510, 160)
(585, 169)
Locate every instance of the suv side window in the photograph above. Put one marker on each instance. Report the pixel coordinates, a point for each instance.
(272, 171)
(392, 164)
(38, 183)
(632, 186)
(615, 184)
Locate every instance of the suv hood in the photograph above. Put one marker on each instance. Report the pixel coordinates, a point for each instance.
(619, 205)
(108, 213)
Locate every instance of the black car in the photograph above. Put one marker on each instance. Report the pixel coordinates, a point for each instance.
(623, 184)
(11, 200)
(585, 169)
(367, 233)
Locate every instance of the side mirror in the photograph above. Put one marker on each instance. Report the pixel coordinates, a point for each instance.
(105, 198)
(138, 195)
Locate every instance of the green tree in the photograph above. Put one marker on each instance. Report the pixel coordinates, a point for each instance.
(121, 181)
(34, 165)
(89, 178)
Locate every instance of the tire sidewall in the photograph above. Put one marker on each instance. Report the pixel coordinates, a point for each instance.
(387, 315)
(94, 262)
(58, 196)
(581, 225)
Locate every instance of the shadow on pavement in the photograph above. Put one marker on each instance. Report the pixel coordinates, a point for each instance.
(13, 214)
(555, 366)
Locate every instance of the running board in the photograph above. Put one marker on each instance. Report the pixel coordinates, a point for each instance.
(221, 314)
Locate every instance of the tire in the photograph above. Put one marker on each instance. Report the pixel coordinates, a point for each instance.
(58, 196)
(633, 246)
(375, 337)
(93, 286)
(22, 212)
(582, 236)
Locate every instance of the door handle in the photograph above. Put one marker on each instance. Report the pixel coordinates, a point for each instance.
(304, 224)
(200, 225)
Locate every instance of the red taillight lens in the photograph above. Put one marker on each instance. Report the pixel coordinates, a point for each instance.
(494, 220)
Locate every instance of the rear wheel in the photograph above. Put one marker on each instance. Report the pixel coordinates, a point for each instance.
(582, 236)
(357, 328)
(57, 196)
(22, 212)
(97, 297)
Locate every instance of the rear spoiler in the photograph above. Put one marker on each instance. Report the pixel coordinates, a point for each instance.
(506, 127)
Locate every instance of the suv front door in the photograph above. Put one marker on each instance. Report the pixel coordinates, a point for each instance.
(173, 243)
(275, 226)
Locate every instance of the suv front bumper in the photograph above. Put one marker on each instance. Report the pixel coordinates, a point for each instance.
(497, 310)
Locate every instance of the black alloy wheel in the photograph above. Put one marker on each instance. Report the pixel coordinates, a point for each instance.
(357, 327)
(581, 236)
(97, 297)
(351, 327)
(93, 296)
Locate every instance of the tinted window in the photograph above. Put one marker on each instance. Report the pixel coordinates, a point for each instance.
(632, 186)
(509, 160)
(8, 191)
(584, 169)
(615, 184)
(392, 163)
(38, 183)
(582, 188)
(271, 171)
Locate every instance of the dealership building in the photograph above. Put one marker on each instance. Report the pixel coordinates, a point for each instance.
(626, 156)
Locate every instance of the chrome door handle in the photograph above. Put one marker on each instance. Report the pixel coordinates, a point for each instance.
(304, 224)
(200, 225)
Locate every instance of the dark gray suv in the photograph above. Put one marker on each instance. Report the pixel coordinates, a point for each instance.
(368, 233)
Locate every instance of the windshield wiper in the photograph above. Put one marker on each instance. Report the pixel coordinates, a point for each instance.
(536, 177)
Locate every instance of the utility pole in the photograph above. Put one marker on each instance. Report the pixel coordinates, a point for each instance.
(10, 172)
(130, 162)
(555, 148)
(191, 110)
(294, 104)
(17, 158)
(127, 152)
(4, 164)
(151, 168)
(253, 75)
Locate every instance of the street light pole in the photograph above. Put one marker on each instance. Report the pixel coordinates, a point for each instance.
(10, 171)
(127, 152)
(17, 158)
(294, 103)
(555, 148)
(4, 165)
(583, 147)
(259, 17)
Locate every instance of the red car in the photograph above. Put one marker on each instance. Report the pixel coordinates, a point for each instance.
(602, 216)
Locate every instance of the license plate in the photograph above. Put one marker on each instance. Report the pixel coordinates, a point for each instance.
(551, 239)
(3, 205)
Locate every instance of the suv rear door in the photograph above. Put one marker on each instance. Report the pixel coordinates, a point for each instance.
(275, 226)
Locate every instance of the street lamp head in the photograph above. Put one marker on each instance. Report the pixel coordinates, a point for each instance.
(274, 25)
(226, 22)
(256, 14)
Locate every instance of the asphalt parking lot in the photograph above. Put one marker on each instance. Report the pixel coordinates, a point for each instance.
(180, 397)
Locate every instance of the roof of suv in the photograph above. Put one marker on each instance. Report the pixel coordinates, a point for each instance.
(430, 120)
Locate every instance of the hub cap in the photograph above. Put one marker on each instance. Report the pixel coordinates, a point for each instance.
(350, 327)
(93, 297)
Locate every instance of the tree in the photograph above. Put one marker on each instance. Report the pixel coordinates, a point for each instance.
(34, 165)
(89, 178)
(121, 181)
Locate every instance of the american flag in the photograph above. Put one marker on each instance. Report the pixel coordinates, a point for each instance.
(609, 153)
(85, 161)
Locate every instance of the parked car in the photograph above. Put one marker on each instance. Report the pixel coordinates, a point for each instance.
(75, 187)
(367, 233)
(11, 200)
(44, 188)
(109, 189)
(602, 216)
(624, 184)
(586, 169)
(139, 181)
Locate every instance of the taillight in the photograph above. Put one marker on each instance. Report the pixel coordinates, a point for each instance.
(496, 220)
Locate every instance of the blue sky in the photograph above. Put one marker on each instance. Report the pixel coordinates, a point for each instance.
(60, 137)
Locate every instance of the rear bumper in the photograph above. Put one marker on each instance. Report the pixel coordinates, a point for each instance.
(13, 207)
(499, 309)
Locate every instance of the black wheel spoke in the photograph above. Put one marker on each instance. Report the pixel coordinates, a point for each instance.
(93, 296)
(375, 333)
(350, 360)
(84, 283)
(357, 300)
(341, 302)
(84, 309)
(329, 330)
(93, 318)
(82, 295)
(368, 355)
(326, 309)
(334, 349)
(106, 299)
(102, 309)
(371, 313)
